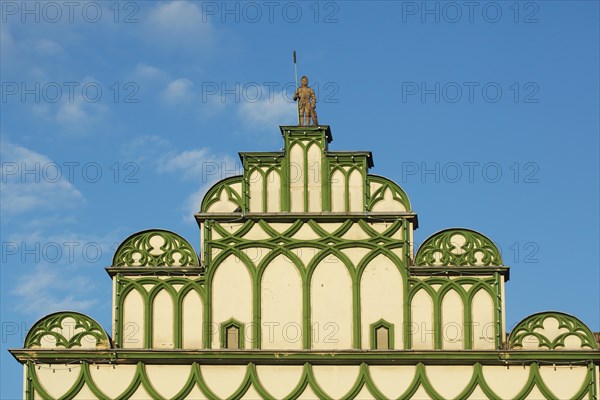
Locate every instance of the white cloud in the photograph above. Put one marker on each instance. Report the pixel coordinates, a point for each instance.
(144, 148)
(198, 165)
(178, 91)
(179, 24)
(149, 72)
(47, 289)
(204, 166)
(268, 112)
(79, 115)
(57, 279)
(49, 47)
(36, 191)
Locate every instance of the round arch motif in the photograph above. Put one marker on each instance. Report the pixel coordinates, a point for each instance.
(155, 248)
(535, 329)
(67, 335)
(458, 247)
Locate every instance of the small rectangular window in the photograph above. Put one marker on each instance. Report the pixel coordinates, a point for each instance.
(232, 340)
(382, 338)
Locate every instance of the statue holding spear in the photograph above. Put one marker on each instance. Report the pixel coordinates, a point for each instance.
(307, 100)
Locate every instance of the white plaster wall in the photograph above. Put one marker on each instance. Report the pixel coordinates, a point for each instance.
(192, 321)
(331, 305)
(257, 233)
(223, 205)
(388, 203)
(140, 394)
(449, 382)
(381, 297)
(563, 380)
(162, 321)
(273, 192)
(223, 380)
(308, 394)
(335, 380)
(279, 380)
(357, 191)
(296, 179)
(314, 178)
(256, 191)
(133, 321)
(452, 322)
(482, 317)
(256, 254)
(422, 321)
(305, 254)
(84, 394)
(355, 233)
(506, 382)
(392, 381)
(330, 227)
(281, 306)
(305, 233)
(57, 379)
(113, 381)
(232, 297)
(338, 192)
(355, 254)
(168, 380)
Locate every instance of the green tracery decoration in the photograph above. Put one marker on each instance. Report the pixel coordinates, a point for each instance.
(64, 334)
(216, 191)
(532, 328)
(155, 247)
(307, 380)
(386, 185)
(458, 247)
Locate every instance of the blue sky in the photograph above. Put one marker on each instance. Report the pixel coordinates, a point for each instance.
(116, 117)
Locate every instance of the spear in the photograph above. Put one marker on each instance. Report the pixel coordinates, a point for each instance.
(296, 76)
(295, 69)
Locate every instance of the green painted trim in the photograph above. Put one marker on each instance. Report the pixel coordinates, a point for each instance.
(191, 272)
(317, 216)
(233, 244)
(378, 195)
(214, 193)
(459, 271)
(137, 251)
(373, 332)
(125, 285)
(488, 284)
(406, 308)
(317, 357)
(499, 324)
(531, 326)
(47, 326)
(306, 380)
(438, 249)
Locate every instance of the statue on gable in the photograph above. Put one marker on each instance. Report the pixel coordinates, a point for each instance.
(307, 104)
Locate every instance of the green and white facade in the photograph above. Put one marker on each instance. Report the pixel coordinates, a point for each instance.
(308, 286)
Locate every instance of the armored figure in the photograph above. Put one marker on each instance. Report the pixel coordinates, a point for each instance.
(307, 104)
